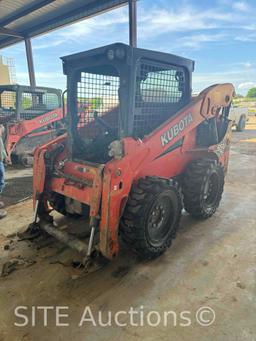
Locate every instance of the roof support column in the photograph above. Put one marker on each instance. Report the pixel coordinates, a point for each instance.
(30, 62)
(133, 23)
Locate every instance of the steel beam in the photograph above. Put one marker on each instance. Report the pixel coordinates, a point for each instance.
(133, 23)
(6, 32)
(86, 10)
(27, 10)
(30, 62)
(77, 14)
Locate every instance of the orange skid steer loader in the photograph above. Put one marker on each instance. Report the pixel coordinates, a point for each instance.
(31, 116)
(138, 149)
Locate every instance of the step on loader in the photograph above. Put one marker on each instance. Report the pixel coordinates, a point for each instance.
(138, 149)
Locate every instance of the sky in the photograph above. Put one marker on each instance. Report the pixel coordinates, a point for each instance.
(219, 35)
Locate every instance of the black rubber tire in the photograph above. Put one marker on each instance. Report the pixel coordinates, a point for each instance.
(201, 176)
(241, 124)
(23, 162)
(150, 199)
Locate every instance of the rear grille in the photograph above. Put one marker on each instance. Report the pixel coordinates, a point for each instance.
(159, 92)
(37, 103)
(7, 106)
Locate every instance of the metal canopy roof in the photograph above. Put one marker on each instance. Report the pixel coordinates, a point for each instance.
(22, 19)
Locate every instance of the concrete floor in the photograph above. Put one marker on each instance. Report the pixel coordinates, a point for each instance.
(19, 183)
(211, 264)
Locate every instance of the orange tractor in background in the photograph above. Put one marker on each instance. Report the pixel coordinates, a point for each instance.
(138, 149)
(31, 116)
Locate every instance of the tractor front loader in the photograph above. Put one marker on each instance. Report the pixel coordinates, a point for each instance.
(30, 116)
(138, 148)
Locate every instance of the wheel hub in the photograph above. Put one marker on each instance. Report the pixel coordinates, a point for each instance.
(157, 216)
(160, 219)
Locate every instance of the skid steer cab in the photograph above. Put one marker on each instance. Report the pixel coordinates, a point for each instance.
(138, 147)
(31, 116)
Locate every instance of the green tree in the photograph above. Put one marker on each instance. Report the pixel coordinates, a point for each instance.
(251, 93)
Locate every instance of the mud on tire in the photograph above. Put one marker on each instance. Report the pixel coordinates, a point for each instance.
(202, 188)
(241, 124)
(151, 216)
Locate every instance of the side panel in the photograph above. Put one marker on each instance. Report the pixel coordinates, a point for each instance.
(155, 156)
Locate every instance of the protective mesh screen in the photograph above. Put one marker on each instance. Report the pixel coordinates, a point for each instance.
(97, 95)
(34, 104)
(7, 106)
(159, 93)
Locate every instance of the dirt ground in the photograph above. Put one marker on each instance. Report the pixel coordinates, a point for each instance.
(211, 264)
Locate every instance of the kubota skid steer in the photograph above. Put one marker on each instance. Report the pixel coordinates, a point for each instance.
(138, 148)
(30, 116)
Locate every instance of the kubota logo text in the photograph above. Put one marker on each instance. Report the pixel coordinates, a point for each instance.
(175, 130)
(48, 118)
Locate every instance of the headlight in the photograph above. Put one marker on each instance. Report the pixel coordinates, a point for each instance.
(110, 54)
(120, 53)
